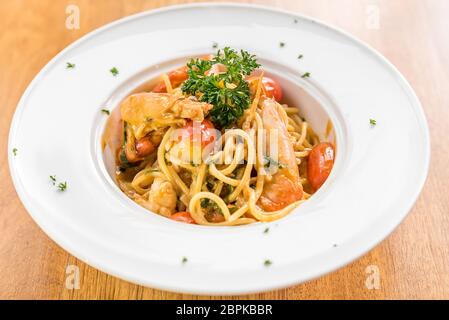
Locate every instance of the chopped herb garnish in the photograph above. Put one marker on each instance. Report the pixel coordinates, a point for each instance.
(215, 45)
(114, 71)
(295, 21)
(70, 65)
(306, 75)
(62, 186)
(228, 189)
(210, 205)
(232, 209)
(266, 230)
(282, 44)
(212, 210)
(204, 202)
(227, 91)
(210, 183)
(14, 151)
(184, 260)
(268, 162)
(106, 111)
(53, 179)
(372, 122)
(300, 56)
(267, 263)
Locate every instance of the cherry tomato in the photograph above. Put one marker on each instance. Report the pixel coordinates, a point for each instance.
(176, 77)
(320, 163)
(272, 89)
(183, 216)
(206, 129)
(144, 147)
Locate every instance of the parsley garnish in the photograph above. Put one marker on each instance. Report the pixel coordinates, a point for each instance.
(306, 75)
(53, 179)
(300, 56)
(282, 44)
(215, 45)
(114, 71)
(62, 186)
(70, 65)
(266, 230)
(106, 111)
(372, 122)
(14, 151)
(228, 92)
(184, 260)
(267, 263)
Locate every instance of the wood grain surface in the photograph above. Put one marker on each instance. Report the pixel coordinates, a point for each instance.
(412, 262)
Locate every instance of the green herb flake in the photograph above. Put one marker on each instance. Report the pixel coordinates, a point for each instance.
(306, 75)
(215, 45)
(204, 202)
(295, 21)
(268, 162)
(281, 44)
(62, 186)
(70, 65)
(114, 71)
(232, 209)
(194, 164)
(267, 263)
(53, 179)
(14, 151)
(184, 260)
(106, 111)
(372, 122)
(300, 56)
(266, 230)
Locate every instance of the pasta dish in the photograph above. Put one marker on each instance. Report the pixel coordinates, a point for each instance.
(213, 144)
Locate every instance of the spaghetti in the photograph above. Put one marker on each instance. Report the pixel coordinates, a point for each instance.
(177, 164)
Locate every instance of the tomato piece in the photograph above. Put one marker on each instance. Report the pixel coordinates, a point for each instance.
(144, 147)
(176, 77)
(183, 216)
(320, 163)
(272, 89)
(206, 130)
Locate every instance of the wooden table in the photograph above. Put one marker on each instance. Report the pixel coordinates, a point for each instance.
(413, 261)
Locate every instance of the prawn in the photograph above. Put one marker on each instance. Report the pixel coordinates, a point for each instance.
(155, 111)
(161, 198)
(284, 187)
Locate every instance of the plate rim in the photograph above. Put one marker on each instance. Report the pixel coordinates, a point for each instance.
(345, 259)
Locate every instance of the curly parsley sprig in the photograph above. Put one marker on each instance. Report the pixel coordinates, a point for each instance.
(228, 91)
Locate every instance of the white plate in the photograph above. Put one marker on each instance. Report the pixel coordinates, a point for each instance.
(377, 177)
